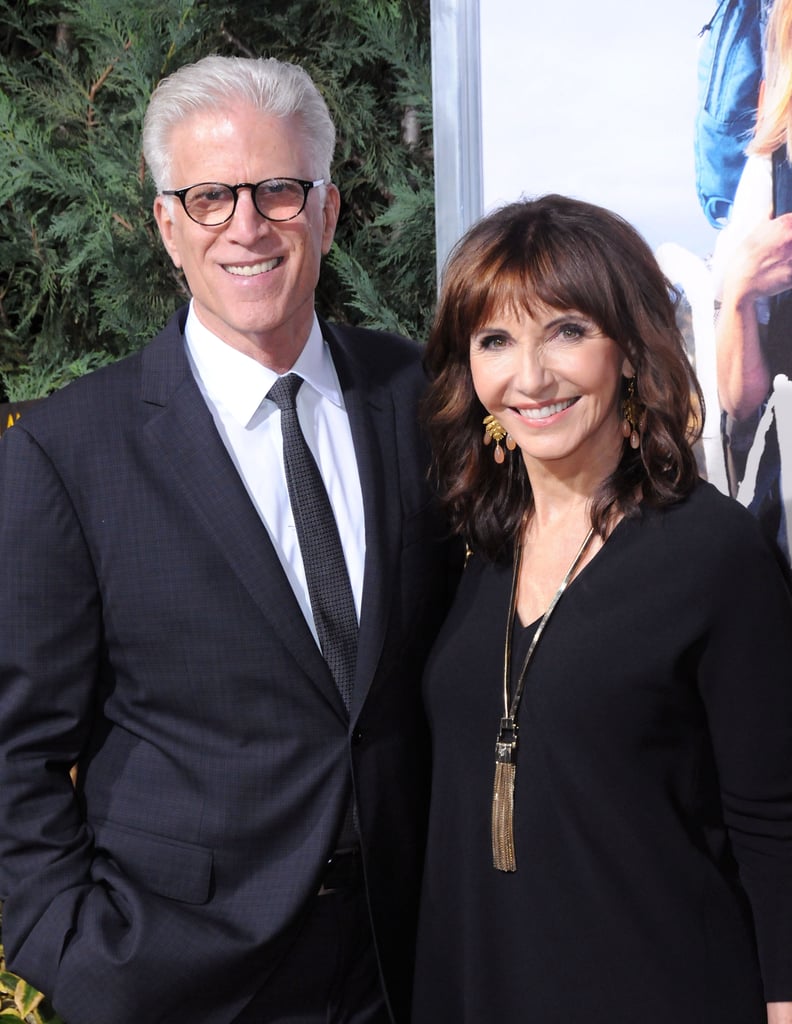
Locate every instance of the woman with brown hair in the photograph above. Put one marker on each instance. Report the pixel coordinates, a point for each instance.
(611, 819)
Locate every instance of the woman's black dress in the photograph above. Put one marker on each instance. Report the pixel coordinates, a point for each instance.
(653, 803)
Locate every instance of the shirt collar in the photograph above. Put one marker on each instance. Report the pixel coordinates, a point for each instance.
(237, 382)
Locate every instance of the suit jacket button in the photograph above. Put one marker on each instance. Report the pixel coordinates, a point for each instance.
(357, 737)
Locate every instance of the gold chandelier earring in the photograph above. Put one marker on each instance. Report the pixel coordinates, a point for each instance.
(494, 431)
(630, 414)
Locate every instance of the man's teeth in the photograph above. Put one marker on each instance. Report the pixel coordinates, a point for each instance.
(252, 269)
(545, 410)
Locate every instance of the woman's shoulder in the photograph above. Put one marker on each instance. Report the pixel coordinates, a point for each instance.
(711, 528)
(704, 508)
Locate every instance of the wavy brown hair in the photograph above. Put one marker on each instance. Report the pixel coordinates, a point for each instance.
(569, 255)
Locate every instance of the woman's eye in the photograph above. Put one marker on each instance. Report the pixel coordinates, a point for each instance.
(491, 341)
(571, 332)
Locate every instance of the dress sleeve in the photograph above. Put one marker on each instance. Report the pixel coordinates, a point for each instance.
(746, 683)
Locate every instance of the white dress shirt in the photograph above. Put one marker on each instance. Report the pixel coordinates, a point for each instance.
(234, 387)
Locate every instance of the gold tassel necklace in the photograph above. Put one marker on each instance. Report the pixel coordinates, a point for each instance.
(503, 857)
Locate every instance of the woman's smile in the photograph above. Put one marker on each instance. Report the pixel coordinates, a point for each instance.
(543, 412)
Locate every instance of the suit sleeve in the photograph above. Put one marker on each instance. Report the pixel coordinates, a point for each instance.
(49, 649)
(74, 925)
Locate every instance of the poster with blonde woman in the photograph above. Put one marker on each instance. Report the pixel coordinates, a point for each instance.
(752, 270)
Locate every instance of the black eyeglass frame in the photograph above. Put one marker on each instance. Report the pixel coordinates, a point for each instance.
(306, 185)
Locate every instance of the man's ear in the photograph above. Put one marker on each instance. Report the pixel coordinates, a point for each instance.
(330, 211)
(162, 215)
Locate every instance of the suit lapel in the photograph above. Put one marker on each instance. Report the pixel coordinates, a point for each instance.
(184, 431)
(371, 420)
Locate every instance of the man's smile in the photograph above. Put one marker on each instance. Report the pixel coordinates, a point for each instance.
(251, 269)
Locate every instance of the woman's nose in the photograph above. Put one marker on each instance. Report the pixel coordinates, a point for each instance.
(532, 369)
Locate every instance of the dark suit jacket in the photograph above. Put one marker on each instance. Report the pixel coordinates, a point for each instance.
(149, 634)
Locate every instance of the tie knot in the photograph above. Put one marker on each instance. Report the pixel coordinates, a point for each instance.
(284, 391)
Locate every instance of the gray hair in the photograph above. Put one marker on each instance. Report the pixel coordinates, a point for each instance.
(276, 88)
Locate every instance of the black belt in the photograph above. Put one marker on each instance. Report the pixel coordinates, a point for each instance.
(343, 872)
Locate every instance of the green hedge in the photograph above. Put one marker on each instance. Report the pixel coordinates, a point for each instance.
(82, 271)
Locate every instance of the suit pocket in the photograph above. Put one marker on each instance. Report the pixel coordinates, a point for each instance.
(167, 867)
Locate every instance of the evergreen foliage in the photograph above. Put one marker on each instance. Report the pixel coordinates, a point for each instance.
(83, 274)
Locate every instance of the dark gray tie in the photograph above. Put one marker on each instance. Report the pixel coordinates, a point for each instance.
(325, 568)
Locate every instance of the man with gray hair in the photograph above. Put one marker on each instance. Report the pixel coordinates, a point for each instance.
(227, 572)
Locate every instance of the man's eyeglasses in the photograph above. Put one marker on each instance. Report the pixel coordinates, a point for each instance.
(212, 203)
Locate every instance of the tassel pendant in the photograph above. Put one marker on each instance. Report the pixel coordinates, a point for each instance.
(503, 858)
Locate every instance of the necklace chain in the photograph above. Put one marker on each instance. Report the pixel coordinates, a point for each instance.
(503, 855)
